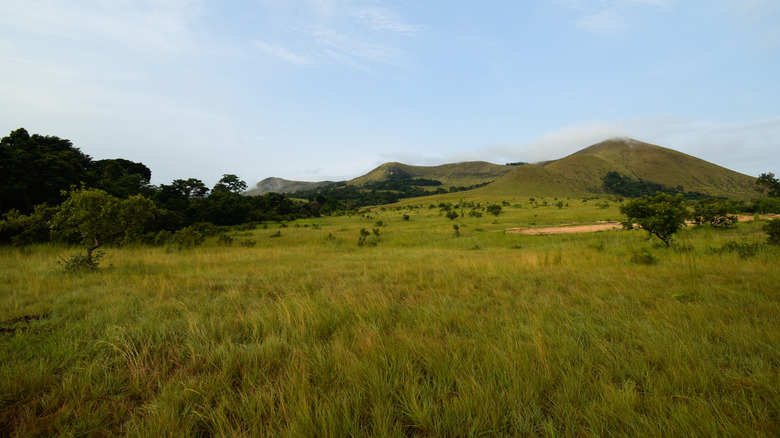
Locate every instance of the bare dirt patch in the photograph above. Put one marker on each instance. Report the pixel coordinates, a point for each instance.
(572, 228)
(569, 228)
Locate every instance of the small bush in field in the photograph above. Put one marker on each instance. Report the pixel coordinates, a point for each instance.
(644, 257)
(224, 240)
(79, 262)
(772, 229)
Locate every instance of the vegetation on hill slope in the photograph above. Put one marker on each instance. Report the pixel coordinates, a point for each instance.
(653, 163)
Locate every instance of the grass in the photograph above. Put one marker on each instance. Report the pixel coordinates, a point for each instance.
(424, 334)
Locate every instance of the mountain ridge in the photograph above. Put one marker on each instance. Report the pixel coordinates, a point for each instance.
(577, 174)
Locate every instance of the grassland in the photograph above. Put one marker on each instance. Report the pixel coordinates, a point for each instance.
(418, 332)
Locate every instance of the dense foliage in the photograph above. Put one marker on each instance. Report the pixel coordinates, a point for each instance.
(661, 215)
(345, 196)
(38, 173)
(617, 184)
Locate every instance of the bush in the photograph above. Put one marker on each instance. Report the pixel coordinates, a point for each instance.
(743, 249)
(224, 240)
(494, 209)
(716, 212)
(185, 238)
(772, 229)
(81, 262)
(643, 257)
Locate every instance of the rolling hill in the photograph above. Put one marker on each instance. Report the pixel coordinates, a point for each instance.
(279, 185)
(578, 174)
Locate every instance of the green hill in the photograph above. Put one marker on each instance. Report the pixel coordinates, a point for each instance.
(463, 174)
(649, 162)
(582, 172)
(578, 174)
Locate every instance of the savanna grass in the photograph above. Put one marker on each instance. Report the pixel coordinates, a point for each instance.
(426, 333)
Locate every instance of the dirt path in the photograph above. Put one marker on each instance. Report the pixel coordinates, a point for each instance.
(593, 227)
(568, 229)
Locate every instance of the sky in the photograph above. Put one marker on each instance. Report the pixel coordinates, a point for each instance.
(318, 90)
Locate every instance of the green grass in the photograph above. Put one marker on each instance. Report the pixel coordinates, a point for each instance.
(424, 334)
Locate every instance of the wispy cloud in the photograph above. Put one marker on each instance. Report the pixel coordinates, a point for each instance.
(281, 53)
(356, 33)
(605, 16)
(383, 19)
(141, 25)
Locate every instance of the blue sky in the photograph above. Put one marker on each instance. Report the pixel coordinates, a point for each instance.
(325, 89)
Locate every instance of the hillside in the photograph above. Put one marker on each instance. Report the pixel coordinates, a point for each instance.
(581, 173)
(577, 174)
(455, 174)
(279, 185)
(649, 162)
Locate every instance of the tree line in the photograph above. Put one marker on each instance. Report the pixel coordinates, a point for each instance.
(40, 173)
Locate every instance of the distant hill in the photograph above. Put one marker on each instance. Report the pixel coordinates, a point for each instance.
(582, 172)
(463, 174)
(578, 174)
(279, 185)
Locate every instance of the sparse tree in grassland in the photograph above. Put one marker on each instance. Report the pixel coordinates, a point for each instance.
(494, 209)
(661, 215)
(95, 218)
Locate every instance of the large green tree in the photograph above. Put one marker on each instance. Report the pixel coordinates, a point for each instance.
(36, 168)
(661, 215)
(95, 218)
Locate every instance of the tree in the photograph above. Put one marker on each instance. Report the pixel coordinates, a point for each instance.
(661, 215)
(768, 184)
(95, 218)
(716, 212)
(36, 168)
(229, 183)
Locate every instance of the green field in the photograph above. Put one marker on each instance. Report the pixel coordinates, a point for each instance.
(417, 332)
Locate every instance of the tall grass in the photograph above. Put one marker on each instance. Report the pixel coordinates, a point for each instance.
(426, 333)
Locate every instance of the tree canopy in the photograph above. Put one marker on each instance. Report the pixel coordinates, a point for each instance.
(661, 215)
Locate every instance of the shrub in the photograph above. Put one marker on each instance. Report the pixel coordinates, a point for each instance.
(81, 262)
(716, 212)
(643, 257)
(494, 209)
(224, 240)
(772, 229)
(743, 249)
(187, 237)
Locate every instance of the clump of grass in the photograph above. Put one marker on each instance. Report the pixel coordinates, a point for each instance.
(643, 257)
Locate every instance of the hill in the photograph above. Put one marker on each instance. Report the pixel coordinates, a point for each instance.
(463, 174)
(582, 173)
(578, 174)
(279, 185)
(654, 163)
